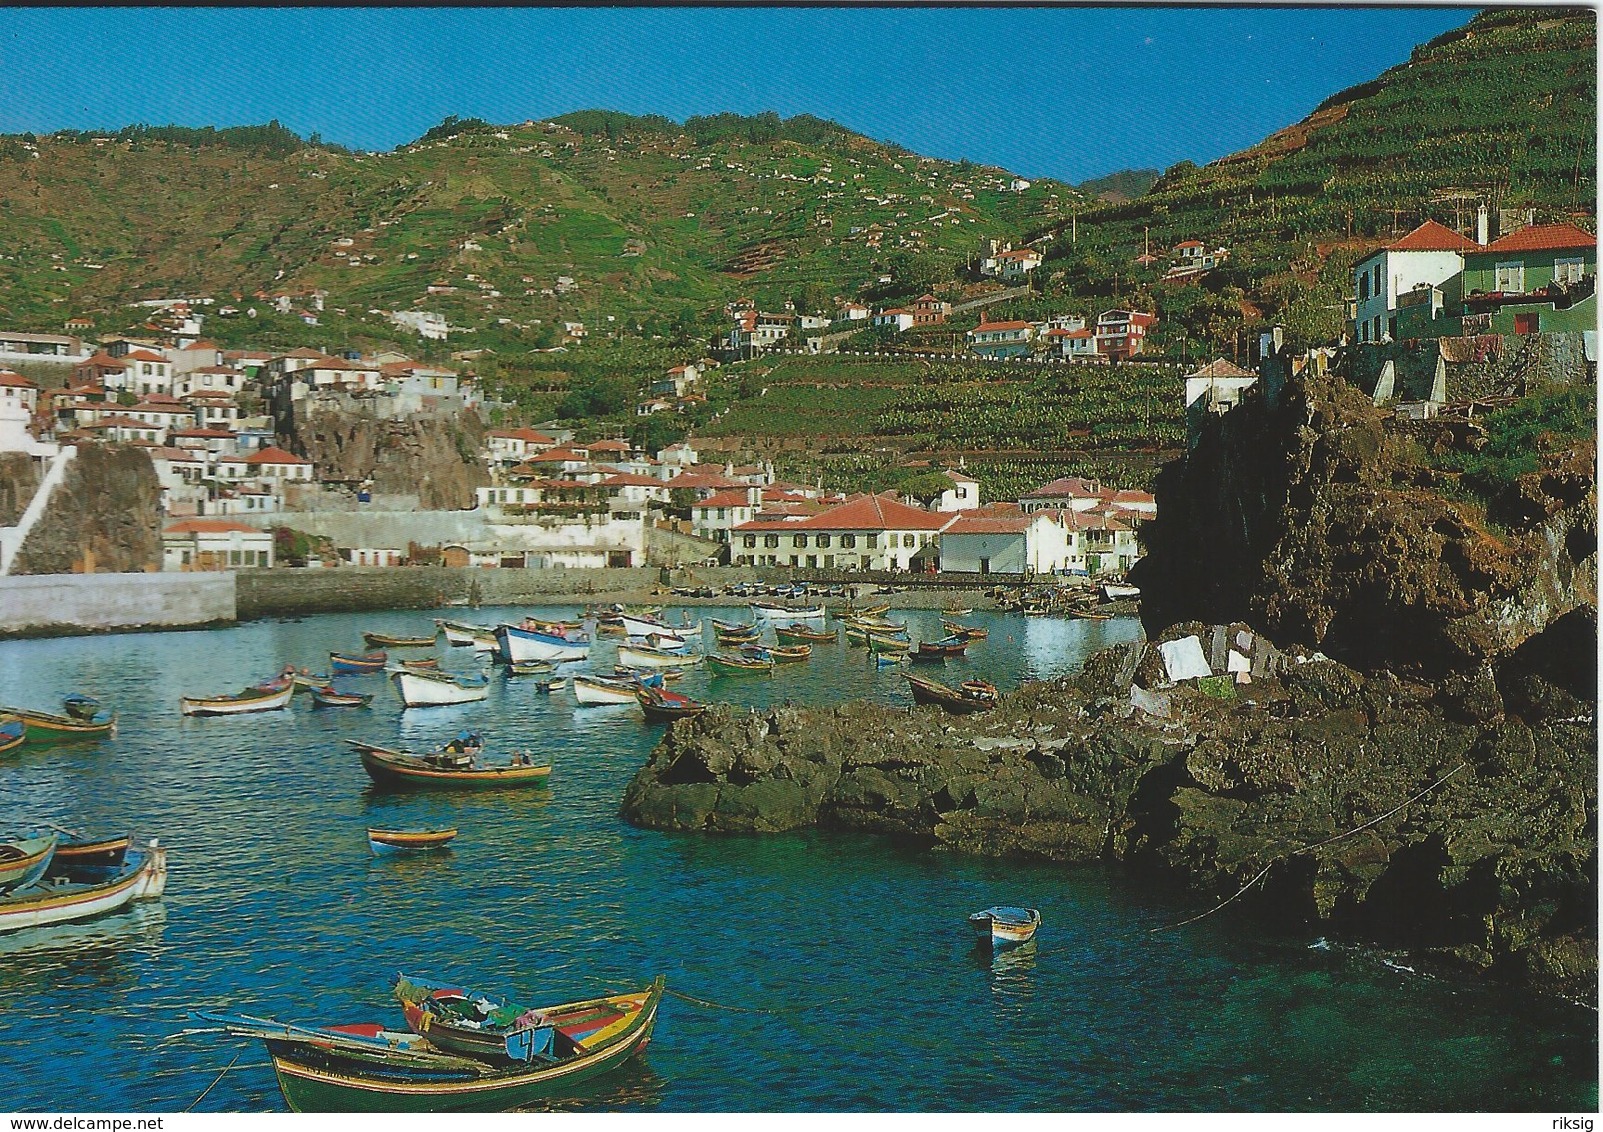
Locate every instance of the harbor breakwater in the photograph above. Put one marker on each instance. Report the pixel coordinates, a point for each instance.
(1455, 820)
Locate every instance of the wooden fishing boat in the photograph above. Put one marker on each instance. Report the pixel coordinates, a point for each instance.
(1005, 925)
(432, 664)
(445, 768)
(519, 644)
(762, 611)
(799, 634)
(953, 700)
(480, 638)
(386, 641)
(365, 665)
(965, 632)
(639, 656)
(594, 691)
(305, 681)
(941, 649)
(1089, 615)
(90, 853)
(329, 697)
(404, 840)
(637, 626)
(438, 689)
(58, 899)
(744, 636)
(366, 1068)
(725, 665)
(859, 635)
(529, 667)
(779, 654)
(849, 612)
(886, 659)
(259, 697)
(25, 860)
(663, 706)
(732, 626)
(1112, 591)
(963, 612)
(13, 732)
(671, 645)
(652, 676)
(979, 690)
(80, 705)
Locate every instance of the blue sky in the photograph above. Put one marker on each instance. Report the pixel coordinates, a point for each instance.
(1063, 92)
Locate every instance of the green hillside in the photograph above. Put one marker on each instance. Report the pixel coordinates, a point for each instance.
(652, 221)
(1501, 110)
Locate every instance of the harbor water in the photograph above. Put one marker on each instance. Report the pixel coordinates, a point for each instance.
(831, 972)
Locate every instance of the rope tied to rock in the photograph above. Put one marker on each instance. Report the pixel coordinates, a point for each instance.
(1310, 848)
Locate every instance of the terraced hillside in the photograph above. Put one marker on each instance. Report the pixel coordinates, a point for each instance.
(596, 217)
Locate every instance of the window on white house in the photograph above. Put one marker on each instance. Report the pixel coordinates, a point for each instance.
(1511, 278)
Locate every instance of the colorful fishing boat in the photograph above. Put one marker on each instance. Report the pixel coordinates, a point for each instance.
(965, 632)
(940, 650)
(640, 656)
(80, 705)
(849, 612)
(446, 768)
(951, 699)
(596, 691)
(58, 899)
(258, 697)
(25, 860)
(431, 664)
(366, 1068)
(637, 626)
(480, 638)
(90, 853)
(763, 611)
(519, 644)
(305, 680)
(735, 627)
(13, 732)
(663, 706)
(386, 641)
(529, 667)
(779, 654)
(979, 690)
(887, 659)
(724, 665)
(655, 677)
(408, 840)
(1005, 925)
(438, 689)
(327, 697)
(744, 637)
(799, 634)
(342, 665)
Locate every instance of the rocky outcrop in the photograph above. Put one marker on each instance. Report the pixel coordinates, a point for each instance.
(1483, 854)
(104, 517)
(432, 456)
(20, 476)
(1314, 520)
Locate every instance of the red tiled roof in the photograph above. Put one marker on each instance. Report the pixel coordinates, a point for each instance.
(713, 481)
(527, 435)
(161, 407)
(204, 434)
(1543, 237)
(1021, 253)
(121, 422)
(555, 456)
(607, 446)
(1069, 487)
(999, 326)
(726, 499)
(140, 356)
(1433, 237)
(877, 513)
(274, 455)
(7, 377)
(105, 361)
(209, 527)
(630, 479)
(1221, 367)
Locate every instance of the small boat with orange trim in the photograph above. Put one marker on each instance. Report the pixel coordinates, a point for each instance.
(451, 769)
(25, 860)
(57, 899)
(385, 641)
(344, 664)
(408, 840)
(1005, 925)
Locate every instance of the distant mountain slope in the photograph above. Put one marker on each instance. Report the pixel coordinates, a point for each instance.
(645, 216)
(1125, 185)
(1502, 110)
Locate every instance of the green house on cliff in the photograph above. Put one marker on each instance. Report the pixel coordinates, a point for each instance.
(1540, 279)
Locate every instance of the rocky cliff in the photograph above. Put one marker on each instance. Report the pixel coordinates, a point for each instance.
(433, 456)
(19, 479)
(104, 517)
(1317, 521)
(1459, 821)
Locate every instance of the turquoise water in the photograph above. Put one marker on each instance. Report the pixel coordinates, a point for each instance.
(848, 955)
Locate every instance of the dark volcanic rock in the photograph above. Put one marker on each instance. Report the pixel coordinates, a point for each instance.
(1422, 817)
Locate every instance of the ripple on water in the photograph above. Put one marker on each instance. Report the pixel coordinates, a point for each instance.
(849, 956)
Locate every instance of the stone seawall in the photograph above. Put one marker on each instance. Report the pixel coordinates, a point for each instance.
(279, 592)
(46, 605)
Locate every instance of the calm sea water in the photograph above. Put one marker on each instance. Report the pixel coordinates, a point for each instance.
(852, 973)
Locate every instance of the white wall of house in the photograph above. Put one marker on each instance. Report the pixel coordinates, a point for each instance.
(1387, 274)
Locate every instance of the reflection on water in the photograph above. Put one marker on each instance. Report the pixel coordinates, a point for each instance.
(275, 905)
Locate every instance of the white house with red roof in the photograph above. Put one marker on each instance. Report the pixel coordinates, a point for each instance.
(147, 372)
(214, 544)
(119, 428)
(634, 490)
(212, 408)
(1070, 493)
(1431, 256)
(853, 312)
(275, 464)
(1005, 540)
(1007, 339)
(871, 532)
(897, 319)
(718, 514)
(213, 379)
(514, 445)
(1009, 264)
(101, 371)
